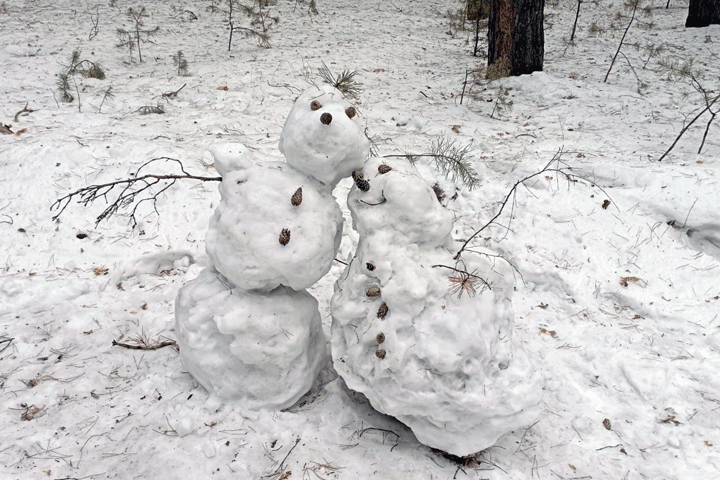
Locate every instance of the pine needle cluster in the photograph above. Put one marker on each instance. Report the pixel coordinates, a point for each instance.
(345, 81)
(452, 161)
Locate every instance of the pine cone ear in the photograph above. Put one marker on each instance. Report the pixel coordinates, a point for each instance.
(315, 105)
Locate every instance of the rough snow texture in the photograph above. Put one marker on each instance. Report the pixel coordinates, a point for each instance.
(243, 239)
(450, 369)
(261, 349)
(404, 212)
(327, 152)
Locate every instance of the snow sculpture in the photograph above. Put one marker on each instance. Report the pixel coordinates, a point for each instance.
(247, 328)
(408, 335)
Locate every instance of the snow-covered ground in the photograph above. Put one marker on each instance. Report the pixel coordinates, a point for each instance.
(618, 305)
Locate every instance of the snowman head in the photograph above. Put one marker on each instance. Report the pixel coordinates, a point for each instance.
(322, 136)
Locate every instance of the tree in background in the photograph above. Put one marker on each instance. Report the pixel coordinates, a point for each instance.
(516, 39)
(703, 13)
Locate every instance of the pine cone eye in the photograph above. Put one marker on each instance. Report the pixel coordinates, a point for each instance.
(315, 105)
(384, 168)
(350, 112)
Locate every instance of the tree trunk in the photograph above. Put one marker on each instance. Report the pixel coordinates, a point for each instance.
(703, 13)
(516, 37)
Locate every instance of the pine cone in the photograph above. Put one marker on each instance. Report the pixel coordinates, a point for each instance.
(380, 337)
(350, 112)
(296, 199)
(315, 105)
(372, 292)
(382, 311)
(285, 236)
(384, 168)
(363, 184)
(380, 353)
(357, 175)
(370, 266)
(326, 118)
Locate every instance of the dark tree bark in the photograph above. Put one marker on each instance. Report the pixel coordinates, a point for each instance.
(703, 13)
(516, 36)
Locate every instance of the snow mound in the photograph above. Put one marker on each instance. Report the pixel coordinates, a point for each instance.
(322, 136)
(400, 205)
(262, 349)
(264, 233)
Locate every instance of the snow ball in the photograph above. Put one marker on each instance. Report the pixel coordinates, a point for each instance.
(259, 239)
(184, 427)
(400, 203)
(231, 156)
(262, 349)
(323, 137)
(447, 365)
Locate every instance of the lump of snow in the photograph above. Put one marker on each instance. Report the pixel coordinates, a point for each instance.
(399, 203)
(263, 349)
(259, 238)
(439, 359)
(322, 136)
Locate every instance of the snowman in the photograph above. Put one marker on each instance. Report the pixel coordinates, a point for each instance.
(427, 339)
(248, 329)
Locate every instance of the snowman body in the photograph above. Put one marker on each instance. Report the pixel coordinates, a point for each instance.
(247, 328)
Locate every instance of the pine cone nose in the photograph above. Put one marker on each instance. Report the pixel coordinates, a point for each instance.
(326, 118)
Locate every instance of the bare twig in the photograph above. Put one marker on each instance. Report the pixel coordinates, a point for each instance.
(24, 110)
(635, 4)
(686, 127)
(173, 94)
(129, 193)
(168, 343)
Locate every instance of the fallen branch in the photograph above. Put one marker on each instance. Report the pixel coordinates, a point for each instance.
(173, 94)
(547, 168)
(168, 343)
(24, 110)
(129, 192)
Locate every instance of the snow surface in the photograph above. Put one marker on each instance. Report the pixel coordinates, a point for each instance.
(643, 356)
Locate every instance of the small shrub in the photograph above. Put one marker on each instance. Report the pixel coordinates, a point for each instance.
(181, 63)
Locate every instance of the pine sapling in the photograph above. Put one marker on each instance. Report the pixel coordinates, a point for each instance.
(181, 63)
(132, 39)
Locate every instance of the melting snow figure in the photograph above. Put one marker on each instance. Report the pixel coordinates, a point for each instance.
(246, 327)
(429, 345)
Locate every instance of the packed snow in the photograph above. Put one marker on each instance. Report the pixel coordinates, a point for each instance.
(443, 364)
(614, 259)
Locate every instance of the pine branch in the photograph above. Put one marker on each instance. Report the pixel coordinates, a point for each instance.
(345, 81)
